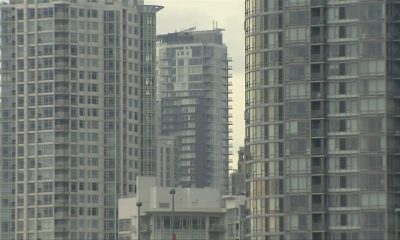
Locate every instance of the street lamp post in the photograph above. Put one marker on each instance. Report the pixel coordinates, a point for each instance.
(396, 217)
(172, 192)
(138, 204)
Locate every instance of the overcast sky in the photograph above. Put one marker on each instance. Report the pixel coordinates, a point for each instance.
(229, 14)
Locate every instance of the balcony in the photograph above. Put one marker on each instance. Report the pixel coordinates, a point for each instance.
(317, 20)
(61, 190)
(62, 115)
(217, 228)
(62, 65)
(62, 163)
(317, 57)
(318, 38)
(318, 151)
(61, 40)
(62, 78)
(61, 53)
(61, 202)
(317, 132)
(318, 2)
(62, 153)
(318, 189)
(62, 90)
(228, 67)
(317, 113)
(396, 133)
(317, 95)
(318, 226)
(317, 76)
(61, 14)
(62, 127)
(144, 228)
(61, 27)
(62, 177)
(62, 102)
(61, 228)
(317, 207)
(317, 170)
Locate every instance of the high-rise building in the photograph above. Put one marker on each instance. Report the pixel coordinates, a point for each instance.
(77, 114)
(165, 161)
(322, 119)
(193, 89)
(237, 178)
(235, 217)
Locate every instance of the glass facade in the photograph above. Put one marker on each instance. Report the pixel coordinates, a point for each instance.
(321, 119)
(264, 146)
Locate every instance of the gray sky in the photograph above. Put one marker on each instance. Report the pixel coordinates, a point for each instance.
(184, 14)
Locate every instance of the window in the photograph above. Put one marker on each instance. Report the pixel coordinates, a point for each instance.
(343, 200)
(342, 69)
(342, 31)
(342, 12)
(297, 184)
(342, 182)
(342, 144)
(342, 163)
(371, 124)
(373, 219)
(372, 143)
(297, 91)
(20, 14)
(342, 50)
(373, 200)
(125, 225)
(343, 236)
(372, 49)
(342, 125)
(342, 88)
(296, 165)
(342, 107)
(372, 67)
(372, 86)
(372, 105)
(297, 34)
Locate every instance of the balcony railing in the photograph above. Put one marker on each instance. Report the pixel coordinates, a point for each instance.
(317, 20)
(317, 207)
(317, 113)
(318, 226)
(317, 95)
(317, 189)
(217, 227)
(317, 132)
(62, 114)
(318, 151)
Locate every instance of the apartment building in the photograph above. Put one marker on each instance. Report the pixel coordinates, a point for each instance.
(193, 92)
(77, 114)
(322, 119)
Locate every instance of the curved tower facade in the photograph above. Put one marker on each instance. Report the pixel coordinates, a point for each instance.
(264, 119)
(322, 119)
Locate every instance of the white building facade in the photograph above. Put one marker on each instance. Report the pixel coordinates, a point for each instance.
(197, 213)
